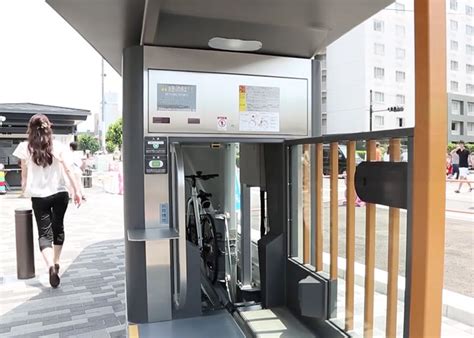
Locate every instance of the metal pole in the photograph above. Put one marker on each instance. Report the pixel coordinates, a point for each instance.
(102, 118)
(245, 237)
(371, 111)
(25, 257)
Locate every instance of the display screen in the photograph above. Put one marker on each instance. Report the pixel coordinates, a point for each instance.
(176, 97)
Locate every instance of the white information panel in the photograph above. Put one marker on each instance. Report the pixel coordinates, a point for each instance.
(208, 103)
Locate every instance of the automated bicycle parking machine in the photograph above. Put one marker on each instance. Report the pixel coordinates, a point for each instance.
(191, 110)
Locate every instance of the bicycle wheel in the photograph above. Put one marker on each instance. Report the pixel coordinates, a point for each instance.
(191, 231)
(210, 250)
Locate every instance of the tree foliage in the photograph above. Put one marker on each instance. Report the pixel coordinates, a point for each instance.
(88, 142)
(110, 147)
(114, 134)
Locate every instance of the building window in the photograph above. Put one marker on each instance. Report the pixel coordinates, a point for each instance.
(469, 68)
(469, 10)
(454, 86)
(454, 25)
(400, 122)
(379, 49)
(469, 49)
(379, 97)
(456, 128)
(378, 26)
(470, 128)
(454, 65)
(470, 88)
(454, 45)
(400, 99)
(400, 76)
(400, 53)
(470, 108)
(399, 7)
(379, 121)
(379, 73)
(456, 107)
(400, 31)
(469, 30)
(453, 5)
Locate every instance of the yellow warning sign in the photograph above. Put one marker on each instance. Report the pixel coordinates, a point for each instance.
(242, 99)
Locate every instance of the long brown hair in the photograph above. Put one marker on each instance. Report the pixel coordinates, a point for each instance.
(40, 140)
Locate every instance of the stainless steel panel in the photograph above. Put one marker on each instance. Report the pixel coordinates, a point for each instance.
(152, 234)
(217, 76)
(217, 98)
(158, 280)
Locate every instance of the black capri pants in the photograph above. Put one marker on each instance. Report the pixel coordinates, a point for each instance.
(49, 214)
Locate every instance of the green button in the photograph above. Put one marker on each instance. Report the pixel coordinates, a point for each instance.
(155, 164)
(156, 145)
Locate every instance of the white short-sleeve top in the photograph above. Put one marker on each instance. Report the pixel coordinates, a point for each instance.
(47, 181)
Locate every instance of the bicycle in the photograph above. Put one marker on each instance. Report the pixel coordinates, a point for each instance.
(200, 226)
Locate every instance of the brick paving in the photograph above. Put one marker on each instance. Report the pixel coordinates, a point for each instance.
(90, 301)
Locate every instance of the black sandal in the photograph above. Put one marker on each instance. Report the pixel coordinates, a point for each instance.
(53, 277)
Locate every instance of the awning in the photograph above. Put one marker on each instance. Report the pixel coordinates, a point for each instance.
(17, 116)
(298, 28)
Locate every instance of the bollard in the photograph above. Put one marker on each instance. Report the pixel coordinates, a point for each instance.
(25, 257)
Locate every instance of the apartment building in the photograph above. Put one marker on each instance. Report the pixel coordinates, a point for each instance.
(378, 57)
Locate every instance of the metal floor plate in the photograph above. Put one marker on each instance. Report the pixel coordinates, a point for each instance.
(217, 324)
(275, 323)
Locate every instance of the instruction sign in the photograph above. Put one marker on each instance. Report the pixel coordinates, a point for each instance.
(259, 108)
(222, 123)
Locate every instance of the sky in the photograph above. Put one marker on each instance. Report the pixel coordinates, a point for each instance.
(44, 60)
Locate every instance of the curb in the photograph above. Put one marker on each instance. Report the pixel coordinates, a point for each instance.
(455, 305)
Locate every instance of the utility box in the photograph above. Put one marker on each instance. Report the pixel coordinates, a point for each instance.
(312, 295)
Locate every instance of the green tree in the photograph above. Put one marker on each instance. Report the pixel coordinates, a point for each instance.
(114, 134)
(88, 142)
(110, 147)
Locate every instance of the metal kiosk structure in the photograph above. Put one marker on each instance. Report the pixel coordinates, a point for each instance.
(189, 108)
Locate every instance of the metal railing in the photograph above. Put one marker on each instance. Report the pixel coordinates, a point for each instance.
(307, 221)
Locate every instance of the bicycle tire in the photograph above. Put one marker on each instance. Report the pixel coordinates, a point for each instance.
(210, 251)
(191, 229)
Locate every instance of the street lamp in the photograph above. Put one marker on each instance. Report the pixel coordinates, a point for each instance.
(372, 111)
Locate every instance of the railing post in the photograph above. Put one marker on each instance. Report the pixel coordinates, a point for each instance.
(333, 209)
(319, 206)
(350, 234)
(393, 254)
(429, 189)
(369, 257)
(306, 162)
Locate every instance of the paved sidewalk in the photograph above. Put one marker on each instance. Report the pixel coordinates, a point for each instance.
(90, 301)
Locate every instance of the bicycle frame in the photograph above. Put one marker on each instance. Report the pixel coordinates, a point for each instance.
(196, 201)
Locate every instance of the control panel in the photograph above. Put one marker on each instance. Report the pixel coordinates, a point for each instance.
(156, 155)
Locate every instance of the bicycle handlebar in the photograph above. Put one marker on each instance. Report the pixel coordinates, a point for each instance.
(200, 176)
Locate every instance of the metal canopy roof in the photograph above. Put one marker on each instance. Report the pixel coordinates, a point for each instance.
(17, 115)
(298, 28)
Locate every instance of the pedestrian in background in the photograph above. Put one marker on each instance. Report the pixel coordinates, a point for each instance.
(378, 152)
(44, 165)
(464, 160)
(78, 166)
(455, 163)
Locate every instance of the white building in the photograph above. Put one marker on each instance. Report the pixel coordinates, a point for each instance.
(378, 55)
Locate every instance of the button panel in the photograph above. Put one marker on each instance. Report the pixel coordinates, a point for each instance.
(156, 155)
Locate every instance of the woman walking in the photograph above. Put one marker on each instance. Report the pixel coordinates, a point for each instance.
(44, 165)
